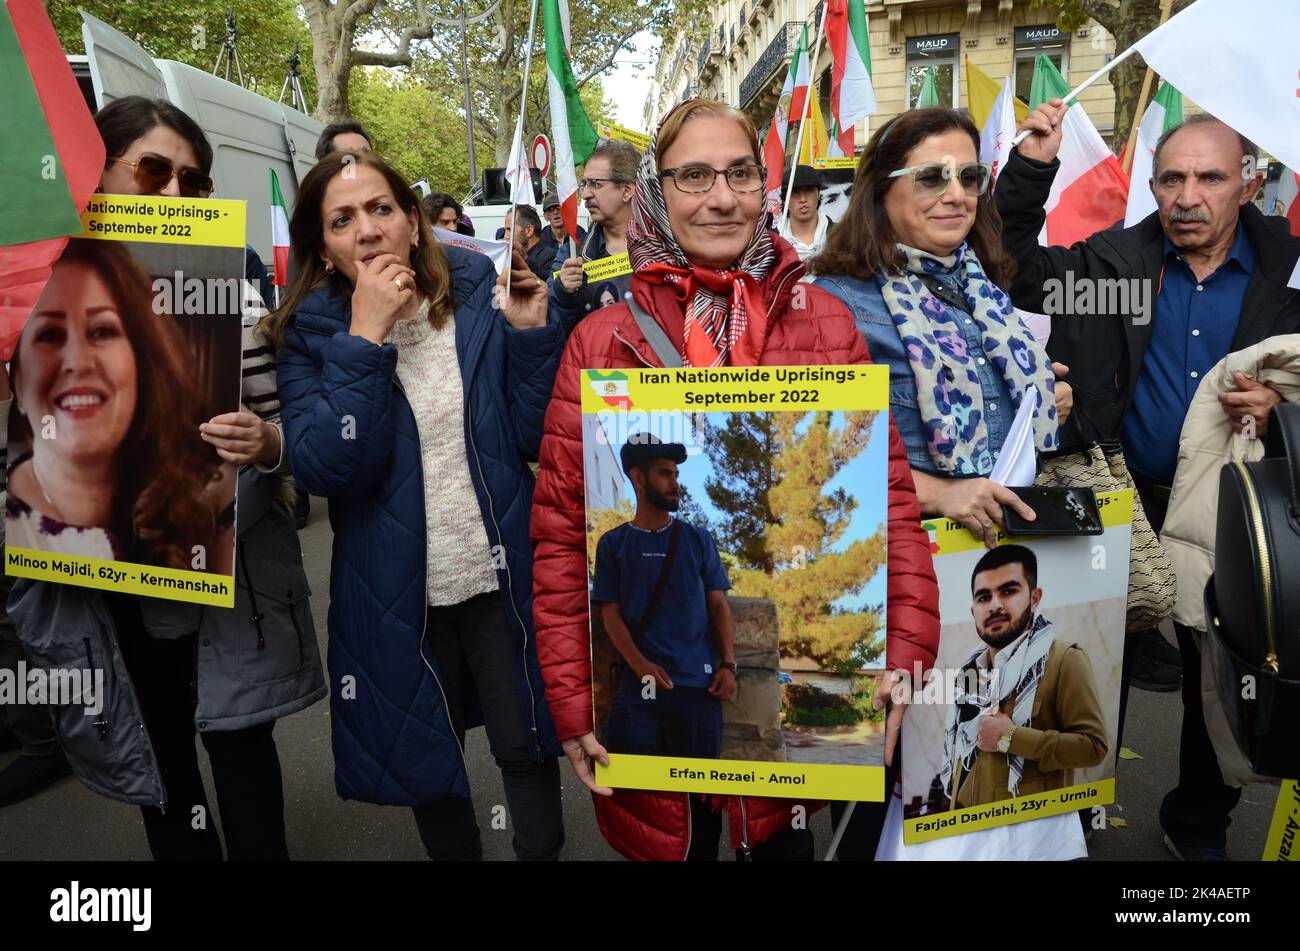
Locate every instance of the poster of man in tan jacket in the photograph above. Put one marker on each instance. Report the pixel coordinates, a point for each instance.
(1027, 712)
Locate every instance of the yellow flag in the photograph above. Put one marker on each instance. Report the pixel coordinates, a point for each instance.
(815, 140)
(982, 92)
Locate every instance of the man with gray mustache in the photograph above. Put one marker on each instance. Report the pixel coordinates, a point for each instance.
(1217, 270)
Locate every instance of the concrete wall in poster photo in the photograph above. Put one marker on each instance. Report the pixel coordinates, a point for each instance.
(782, 517)
(131, 346)
(1056, 645)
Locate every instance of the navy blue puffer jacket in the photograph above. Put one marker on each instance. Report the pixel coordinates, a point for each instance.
(352, 437)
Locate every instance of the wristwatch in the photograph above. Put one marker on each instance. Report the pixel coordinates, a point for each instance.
(729, 665)
(1004, 742)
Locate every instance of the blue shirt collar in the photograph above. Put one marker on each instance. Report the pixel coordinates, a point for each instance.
(1242, 252)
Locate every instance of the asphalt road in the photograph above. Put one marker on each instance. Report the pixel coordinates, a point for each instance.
(68, 822)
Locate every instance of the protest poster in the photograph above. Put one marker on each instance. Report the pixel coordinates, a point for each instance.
(1285, 825)
(1018, 718)
(738, 515)
(135, 341)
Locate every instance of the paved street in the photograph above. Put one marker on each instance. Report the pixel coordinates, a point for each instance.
(68, 822)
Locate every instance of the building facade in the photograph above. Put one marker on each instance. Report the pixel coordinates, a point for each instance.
(745, 55)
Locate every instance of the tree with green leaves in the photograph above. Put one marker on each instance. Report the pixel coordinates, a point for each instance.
(771, 472)
(426, 36)
(192, 33)
(1127, 21)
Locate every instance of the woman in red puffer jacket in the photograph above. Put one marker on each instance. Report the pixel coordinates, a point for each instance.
(722, 287)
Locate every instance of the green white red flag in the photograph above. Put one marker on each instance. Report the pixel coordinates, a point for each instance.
(571, 130)
(279, 234)
(790, 106)
(852, 95)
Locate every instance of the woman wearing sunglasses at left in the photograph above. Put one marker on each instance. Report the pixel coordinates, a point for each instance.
(918, 260)
(173, 669)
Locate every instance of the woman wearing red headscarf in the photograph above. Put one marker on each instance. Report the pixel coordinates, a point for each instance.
(720, 285)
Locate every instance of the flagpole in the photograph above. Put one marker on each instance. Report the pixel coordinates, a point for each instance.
(807, 106)
(1166, 7)
(518, 147)
(1074, 93)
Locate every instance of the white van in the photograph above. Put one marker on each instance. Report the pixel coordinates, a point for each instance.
(249, 133)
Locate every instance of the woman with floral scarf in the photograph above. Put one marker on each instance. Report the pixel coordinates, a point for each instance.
(918, 260)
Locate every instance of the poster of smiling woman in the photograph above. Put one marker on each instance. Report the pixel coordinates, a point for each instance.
(134, 343)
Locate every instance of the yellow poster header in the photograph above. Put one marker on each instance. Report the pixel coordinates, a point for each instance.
(210, 222)
(737, 389)
(611, 130)
(948, 537)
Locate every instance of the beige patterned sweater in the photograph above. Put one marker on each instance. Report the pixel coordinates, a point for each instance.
(459, 556)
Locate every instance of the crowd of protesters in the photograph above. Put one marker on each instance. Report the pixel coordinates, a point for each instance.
(458, 581)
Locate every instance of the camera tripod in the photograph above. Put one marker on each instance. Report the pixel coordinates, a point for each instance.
(297, 100)
(230, 52)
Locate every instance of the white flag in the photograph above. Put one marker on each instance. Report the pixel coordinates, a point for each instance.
(495, 250)
(1238, 62)
(999, 130)
(518, 173)
(1018, 461)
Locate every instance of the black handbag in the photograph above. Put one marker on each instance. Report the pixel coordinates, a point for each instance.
(1252, 601)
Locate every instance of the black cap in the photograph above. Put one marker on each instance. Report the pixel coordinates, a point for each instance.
(551, 200)
(805, 176)
(645, 447)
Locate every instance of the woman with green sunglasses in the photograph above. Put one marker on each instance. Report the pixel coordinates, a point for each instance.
(918, 259)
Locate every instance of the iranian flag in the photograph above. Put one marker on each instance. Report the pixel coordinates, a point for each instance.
(279, 234)
(1164, 113)
(1286, 200)
(611, 387)
(52, 158)
(852, 95)
(1090, 192)
(574, 135)
(789, 106)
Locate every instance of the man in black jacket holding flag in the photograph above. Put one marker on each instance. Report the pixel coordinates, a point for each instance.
(1203, 276)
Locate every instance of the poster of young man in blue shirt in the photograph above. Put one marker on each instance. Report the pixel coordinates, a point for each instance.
(662, 590)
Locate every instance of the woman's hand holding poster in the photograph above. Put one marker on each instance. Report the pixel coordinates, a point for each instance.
(134, 343)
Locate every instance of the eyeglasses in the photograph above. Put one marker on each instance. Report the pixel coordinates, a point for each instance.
(595, 183)
(697, 179)
(153, 174)
(932, 178)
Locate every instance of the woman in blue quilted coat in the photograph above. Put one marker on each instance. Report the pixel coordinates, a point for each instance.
(414, 405)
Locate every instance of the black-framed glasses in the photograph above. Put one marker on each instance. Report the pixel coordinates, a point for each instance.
(596, 183)
(932, 178)
(153, 173)
(697, 179)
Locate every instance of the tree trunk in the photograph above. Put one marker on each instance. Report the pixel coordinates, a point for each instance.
(331, 59)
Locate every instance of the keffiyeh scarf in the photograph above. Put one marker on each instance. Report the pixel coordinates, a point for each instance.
(948, 390)
(1014, 675)
(724, 312)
